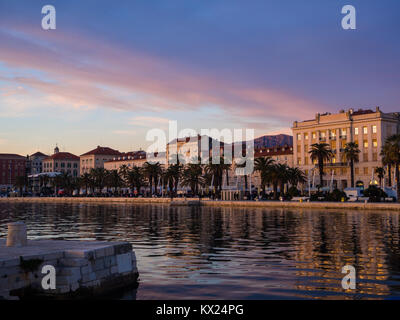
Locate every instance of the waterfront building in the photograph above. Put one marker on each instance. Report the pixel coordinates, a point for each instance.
(128, 159)
(367, 128)
(11, 167)
(35, 163)
(63, 162)
(96, 158)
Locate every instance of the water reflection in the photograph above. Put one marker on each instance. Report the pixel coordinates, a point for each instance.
(233, 253)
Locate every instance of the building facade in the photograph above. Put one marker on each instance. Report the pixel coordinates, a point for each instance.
(63, 162)
(11, 167)
(129, 159)
(368, 128)
(35, 163)
(97, 158)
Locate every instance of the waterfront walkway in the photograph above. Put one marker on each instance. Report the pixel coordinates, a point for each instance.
(219, 203)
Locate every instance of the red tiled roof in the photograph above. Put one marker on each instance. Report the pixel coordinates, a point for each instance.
(11, 156)
(102, 151)
(38, 154)
(63, 156)
(133, 155)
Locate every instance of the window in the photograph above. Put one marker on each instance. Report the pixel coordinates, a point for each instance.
(298, 137)
(375, 143)
(365, 143)
(365, 130)
(333, 160)
(306, 136)
(343, 132)
(373, 129)
(322, 134)
(306, 161)
(68, 165)
(357, 171)
(355, 130)
(365, 157)
(62, 164)
(314, 135)
(374, 156)
(365, 170)
(299, 161)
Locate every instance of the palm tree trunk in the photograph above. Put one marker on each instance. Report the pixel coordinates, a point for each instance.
(352, 173)
(390, 175)
(397, 181)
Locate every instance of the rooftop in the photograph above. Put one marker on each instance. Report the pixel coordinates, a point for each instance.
(274, 151)
(102, 151)
(63, 156)
(11, 156)
(133, 155)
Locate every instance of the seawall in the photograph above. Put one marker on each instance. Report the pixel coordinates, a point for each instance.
(217, 203)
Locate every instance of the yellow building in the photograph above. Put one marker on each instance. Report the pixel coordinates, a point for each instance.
(63, 162)
(96, 158)
(129, 159)
(367, 128)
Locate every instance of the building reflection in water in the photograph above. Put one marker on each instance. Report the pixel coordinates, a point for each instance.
(236, 253)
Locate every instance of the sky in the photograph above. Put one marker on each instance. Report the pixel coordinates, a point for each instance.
(112, 70)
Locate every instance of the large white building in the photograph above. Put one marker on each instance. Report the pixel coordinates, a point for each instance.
(367, 128)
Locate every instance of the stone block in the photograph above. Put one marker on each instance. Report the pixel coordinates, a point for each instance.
(74, 262)
(74, 286)
(110, 251)
(124, 262)
(63, 288)
(86, 269)
(114, 269)
(72, 272)
(53, 255)
(10, 262)
(110, 261)
(100, 253)
(88, 277)
(87, 254)
(98, 264)
(122, 248)
(101, 274)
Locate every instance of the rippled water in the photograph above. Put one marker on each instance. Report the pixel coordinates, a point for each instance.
(233, 253)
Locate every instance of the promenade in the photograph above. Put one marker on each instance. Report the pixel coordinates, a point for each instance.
(216, 203)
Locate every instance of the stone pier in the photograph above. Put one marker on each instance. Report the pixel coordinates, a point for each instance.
(83, 268)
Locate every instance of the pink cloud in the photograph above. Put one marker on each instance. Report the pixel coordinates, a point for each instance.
(88, 72)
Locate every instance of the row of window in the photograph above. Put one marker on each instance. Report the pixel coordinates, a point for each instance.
(62, 165)
(332, 133)
(344, 171)
(365, 158)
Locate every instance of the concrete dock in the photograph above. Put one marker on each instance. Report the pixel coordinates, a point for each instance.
(83, 268)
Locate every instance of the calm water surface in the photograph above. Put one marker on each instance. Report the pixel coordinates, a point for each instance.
(233, 253)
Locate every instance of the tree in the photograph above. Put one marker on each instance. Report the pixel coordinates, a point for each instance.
(21, 182)
(320, 152)
(114, 180)
(192, 177)
(350, 154)
(296, 176)
(387, 161)
(152, 171)
(86, 181)
(263, 166)
(393, 156)
(380, 171)
(135, 178)
(99, 176)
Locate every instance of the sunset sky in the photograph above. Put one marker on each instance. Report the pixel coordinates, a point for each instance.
(114, 69)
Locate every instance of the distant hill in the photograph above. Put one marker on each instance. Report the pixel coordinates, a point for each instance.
(273, 141)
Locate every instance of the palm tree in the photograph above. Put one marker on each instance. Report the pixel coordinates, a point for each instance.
(86, 181)
(152, 172)
(135, 178)
(192, 177)
(282, 175)
(21, 182)
(387, 161)
(296, 176)
(217, 170)
(393, 155)
(320, 152)
(172, 177)
(350, 154)
(114, 180)
(99, 176)
(263, 166)
(380, 171)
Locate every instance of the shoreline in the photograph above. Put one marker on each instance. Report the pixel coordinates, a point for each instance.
(214, 203)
